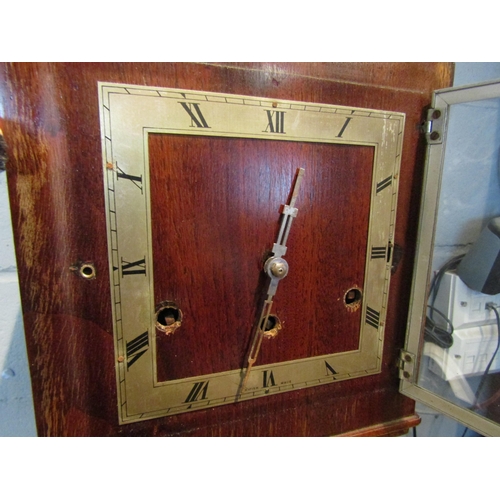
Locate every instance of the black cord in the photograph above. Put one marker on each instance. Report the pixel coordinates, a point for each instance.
(438, 335)
(444, 338)
(451, 264)
(433, 333)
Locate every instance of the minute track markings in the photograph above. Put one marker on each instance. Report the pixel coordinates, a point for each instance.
(260, 103)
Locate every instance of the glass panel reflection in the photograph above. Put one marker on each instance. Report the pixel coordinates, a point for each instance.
(461, 361)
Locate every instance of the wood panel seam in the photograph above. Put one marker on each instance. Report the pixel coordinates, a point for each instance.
(320, 79)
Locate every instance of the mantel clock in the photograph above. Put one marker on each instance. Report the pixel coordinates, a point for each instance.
(216, 249)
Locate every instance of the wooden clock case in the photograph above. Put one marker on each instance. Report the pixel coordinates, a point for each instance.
(51, 126)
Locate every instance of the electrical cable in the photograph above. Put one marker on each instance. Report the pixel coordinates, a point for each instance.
(443, 337)
(450, 265)
(436, 334)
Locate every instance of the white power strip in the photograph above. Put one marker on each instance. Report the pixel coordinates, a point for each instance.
(475, 335)
(470, 353)
(463, 306)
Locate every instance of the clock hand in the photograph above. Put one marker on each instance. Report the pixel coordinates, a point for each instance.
(276, 268)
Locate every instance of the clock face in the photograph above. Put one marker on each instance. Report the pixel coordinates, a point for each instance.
(196, 189)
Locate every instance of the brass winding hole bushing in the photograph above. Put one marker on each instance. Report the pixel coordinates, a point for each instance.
(272, 326)
(352, 298)
(168, 317)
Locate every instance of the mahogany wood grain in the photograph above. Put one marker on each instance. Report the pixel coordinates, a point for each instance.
(51, 126)
(214, 226)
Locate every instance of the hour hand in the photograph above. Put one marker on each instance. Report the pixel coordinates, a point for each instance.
(276, 267)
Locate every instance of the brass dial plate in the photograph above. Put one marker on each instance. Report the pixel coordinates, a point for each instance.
(128, 115)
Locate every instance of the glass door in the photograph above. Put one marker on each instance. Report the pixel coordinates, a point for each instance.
(451, 360)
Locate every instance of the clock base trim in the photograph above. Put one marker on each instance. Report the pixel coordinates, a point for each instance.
(394, 428)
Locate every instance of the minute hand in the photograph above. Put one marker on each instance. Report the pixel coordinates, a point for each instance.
(276, 268)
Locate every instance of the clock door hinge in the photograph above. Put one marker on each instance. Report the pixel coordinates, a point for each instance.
(433, 127)
(406, 365)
